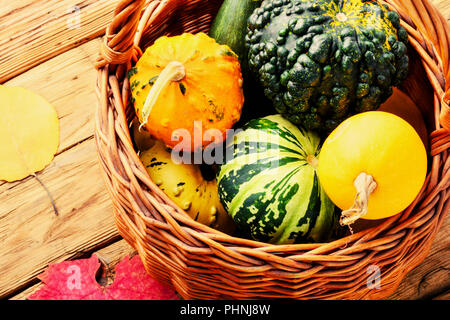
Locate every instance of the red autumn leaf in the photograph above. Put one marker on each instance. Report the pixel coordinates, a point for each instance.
(75, 280)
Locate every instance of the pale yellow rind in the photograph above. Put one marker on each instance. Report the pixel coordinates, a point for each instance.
(382, 145)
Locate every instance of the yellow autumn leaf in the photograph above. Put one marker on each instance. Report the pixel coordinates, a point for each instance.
(29, 133)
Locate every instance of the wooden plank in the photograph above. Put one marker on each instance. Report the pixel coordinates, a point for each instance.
(111, 255)
(32, 236)
(432, 276)
(32, 32)
(67, 81)
(443, 6)
(443, 296)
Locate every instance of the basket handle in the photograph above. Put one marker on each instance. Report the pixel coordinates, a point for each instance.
(117, 46)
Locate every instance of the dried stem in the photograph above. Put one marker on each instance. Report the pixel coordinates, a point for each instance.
(174, 71)
(365, 185)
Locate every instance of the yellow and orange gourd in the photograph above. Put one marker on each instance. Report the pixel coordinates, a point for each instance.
(187, 82)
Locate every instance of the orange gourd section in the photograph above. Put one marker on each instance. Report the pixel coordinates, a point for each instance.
(209, 96)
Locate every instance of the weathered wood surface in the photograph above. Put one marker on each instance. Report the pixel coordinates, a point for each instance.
(57, 63)
(432, 277)
(30, 233)
(33, 31)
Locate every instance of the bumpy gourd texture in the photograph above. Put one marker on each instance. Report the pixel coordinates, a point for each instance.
(185, 185)
(197, 102)
(322, 61)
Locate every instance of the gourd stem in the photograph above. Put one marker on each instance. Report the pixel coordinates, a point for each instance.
(174, 71)
(365, 185)
(313, 161)
(341, 17)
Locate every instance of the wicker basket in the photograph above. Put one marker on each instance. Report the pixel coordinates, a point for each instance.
(202, 263)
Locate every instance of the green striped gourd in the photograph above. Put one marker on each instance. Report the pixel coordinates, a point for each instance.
(269, 185)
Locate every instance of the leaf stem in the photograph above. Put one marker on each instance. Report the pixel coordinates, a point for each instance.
(48, 193)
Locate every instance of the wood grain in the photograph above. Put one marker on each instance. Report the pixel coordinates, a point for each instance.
(31, 236)
(443, 296)
(35, 31)
(443, 6)
(432, 276)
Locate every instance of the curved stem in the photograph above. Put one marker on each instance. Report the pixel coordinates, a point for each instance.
(48, 193)
(174, 71)
(365, 185)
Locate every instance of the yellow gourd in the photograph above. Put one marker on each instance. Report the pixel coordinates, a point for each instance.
(186, 186)
(372, 166)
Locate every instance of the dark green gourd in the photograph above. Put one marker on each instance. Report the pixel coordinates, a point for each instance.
(230, 27)
(322, 61)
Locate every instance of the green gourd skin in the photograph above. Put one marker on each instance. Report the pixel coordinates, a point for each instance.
(229, 27)
(230, 24)
(270, 186)
(322, 61)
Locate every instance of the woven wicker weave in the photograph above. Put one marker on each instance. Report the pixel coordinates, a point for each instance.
(202, 263)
